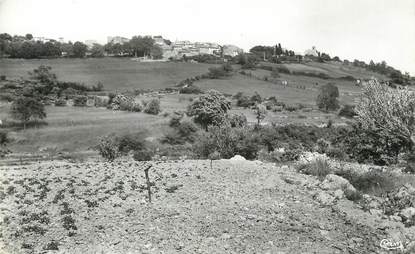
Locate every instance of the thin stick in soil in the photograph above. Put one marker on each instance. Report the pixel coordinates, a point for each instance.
(148, 182)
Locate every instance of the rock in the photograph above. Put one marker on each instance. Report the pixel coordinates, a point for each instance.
(335, 182)
(325, 198)
(225, 236)
(339, 194)
(395, 218)
(408, 213)
(410, 248)
(237, 158)
(376, 212)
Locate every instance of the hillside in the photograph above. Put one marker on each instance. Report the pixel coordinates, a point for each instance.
(77, 129)
(235, 207)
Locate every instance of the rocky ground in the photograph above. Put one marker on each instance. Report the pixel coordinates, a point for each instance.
(233, 207)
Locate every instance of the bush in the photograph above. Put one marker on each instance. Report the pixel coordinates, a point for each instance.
(327, 97)
(242, 100)
(275, 73)
(2, 77)
(4, 138)
(130, 142)
(347, 111)
(410, 163)
(108, 148)
(101, 101)
(314, 164)
(282, 69)
(256, 99)
(176, 118)
(143, 155)
(25, 109)
(220, 72)
(80, 101)
(291, 107)
(60, 102)
(152, 107)
(388, 113)
(371, 146)
(182, 133)
(237, 120)
(209, 108)
(372, 181)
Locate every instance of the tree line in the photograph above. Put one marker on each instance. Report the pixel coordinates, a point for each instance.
(27, 47)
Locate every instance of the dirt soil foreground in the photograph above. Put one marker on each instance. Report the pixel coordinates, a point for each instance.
(235, 207)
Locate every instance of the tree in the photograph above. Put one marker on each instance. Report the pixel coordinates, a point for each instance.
(152, 107)
(97, 50)
(156, 52)
(388, 111)
(108, 148)
(209, 108)
(43, 75)
(26, 108)
(29, 36)
(46, 79)
(79, 49)
(141, 46)
(327, 98)
(260, 113)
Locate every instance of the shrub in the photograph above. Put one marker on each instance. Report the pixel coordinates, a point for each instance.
(237, 120)
(143, 155)
(388, 112)
(209, 108)
(108, 148)
(370, 146)
(260, 113)
(2, 77)
(111, 97)
(80, 101)
(282, 69)
(256, 99)
(136, 107)
(410, 163)
(152, 107)
(291, 107)
(4, 138)
(243, 100)
(183, 132)
(314, 164)
(275, 73)
(60, 102)
(176, 118)
(101, 101)
(130, 142)
(327, 97)
(26, 108)
(372, 181)
(347, 111)
(220, 72)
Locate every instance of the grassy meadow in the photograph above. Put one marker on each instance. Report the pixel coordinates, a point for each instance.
(75, 129)
(116, 74)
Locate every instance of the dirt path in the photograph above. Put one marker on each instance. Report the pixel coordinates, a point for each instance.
(235, 207)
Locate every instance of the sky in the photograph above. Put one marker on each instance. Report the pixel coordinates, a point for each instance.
(351, 29)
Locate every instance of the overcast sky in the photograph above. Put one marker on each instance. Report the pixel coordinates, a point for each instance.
(362, 29)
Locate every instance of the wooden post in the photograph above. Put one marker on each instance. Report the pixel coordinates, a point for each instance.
(148, 182)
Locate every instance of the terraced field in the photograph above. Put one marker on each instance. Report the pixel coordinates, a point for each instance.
(233, 207)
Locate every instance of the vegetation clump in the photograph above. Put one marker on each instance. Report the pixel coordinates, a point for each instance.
(327, 97)
(209, 108)
(152, 107)
(25, 109)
